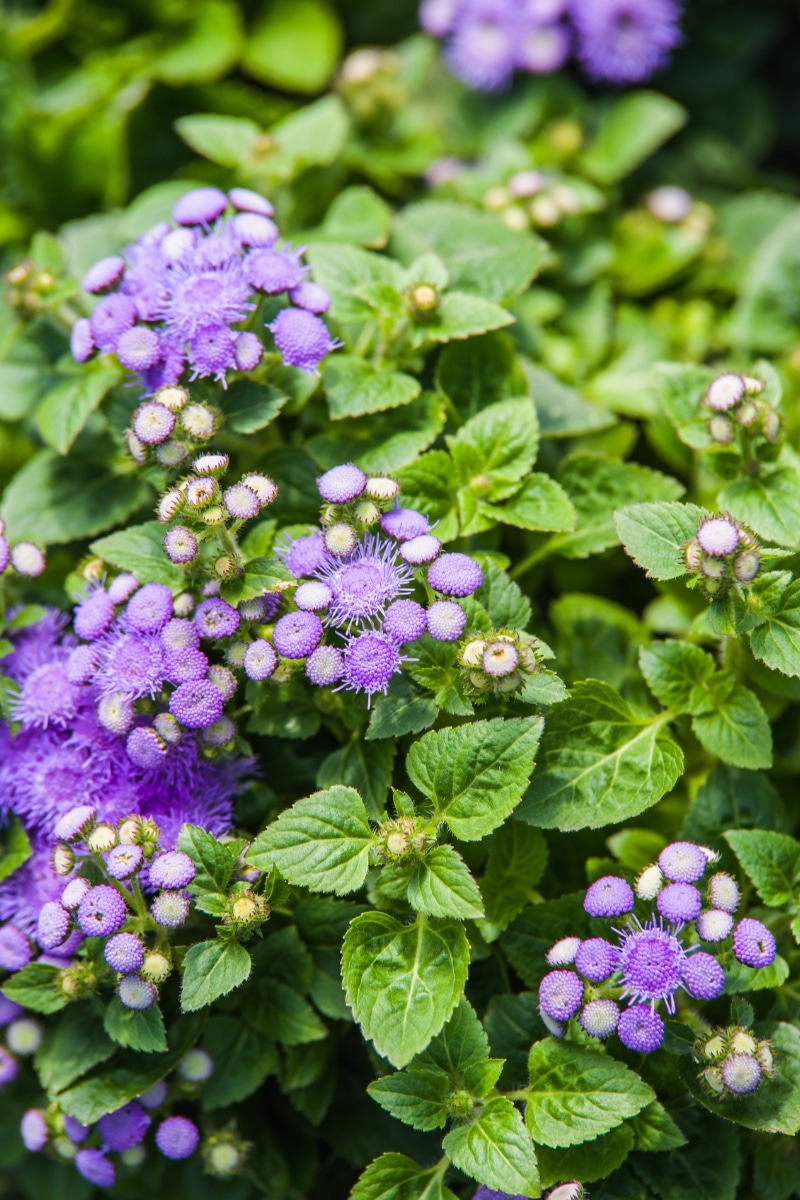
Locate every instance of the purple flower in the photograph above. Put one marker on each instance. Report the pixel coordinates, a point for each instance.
(171, 870)
(200, 206)
(155, 1096)
(341, 484)
(213, 352)
(272, 272)
(74, 892)
(725, 392)
(247, 201)
(47, 698)
(248, 351)
(718, 536)
(297, 634)
(101, 911)
(483, 48)
(177, 1137)
(596, 959)
(260, 660)
(609, 896)
(179, 632)
(723, 892)
(223, 680)
(370, 661)
(405, 621)
(33, 1128)
(138, 349)
(714, 925)
(95, 1168)
(703, 977)
(121, 588)
(404, 524)
(651, 964)
(145, 748)
(15, 949)
(215, 618)
(625, 41)
(123, 861)
(310, 296)
(304, 555)
(93, 615)
(9, 1009)
(74, 823)
(170, 909)
(325, 666)
(682, 862)
(180, 544)
(149, 609)
(74, 1130)
(313, 596)
(741, 1074)
(599, 1018)
(560, 995)
(185, 664)
(254, 229)
(563, 952)
(135, 992)
(544, 49)
(124, 1128)
(81, 340)
(82, 664)
(446, 620)
(363, 584)
(679, 902)
(641, 1028)
(197, 704)
(112, 316)
(302, 339)
(241, 502)
(27, 559)
(54, 925)
(8, 1067)
(124, 953)
(420, 550)
(753, 944)
(455, 575)
(104, 274)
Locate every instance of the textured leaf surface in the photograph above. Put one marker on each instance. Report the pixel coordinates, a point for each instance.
(211, 970)
(771, 860)
(495, 1149)
(654, 535)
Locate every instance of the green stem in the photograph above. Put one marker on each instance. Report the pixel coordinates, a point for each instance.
(228, 543)
(538, 555)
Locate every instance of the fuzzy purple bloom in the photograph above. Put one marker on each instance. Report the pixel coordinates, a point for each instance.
(341, 484)
(596, 959)
(421, 550)
(302, 339)
(155, 1096)
(314, 596)
(54, 925)
(33, 1128)
(8, 1067)
(112, 316)
(123, 861)
(124, 1128)
(714, 925)
(609, 896)
(753, 944)
(101, 911)
(145, 748)
(197, 704)
(651, 964)
(200, 206)
(104, 274)
(247, 201)
(703, 977)
(177, 1137)
(180, 545)
(560, 994)
(311, 297)
(170, 909)
(370, 661)
(446, 620)
(241, 502)
(15, 949)
(455, 575)
(149, 609)
(273, 271)
(93, 615)
(247, 351)
(404, 524)
(325, 666)
(365, 582)
(185, 664)
(600, 1018)
(124, 953)
(679, 902)
(135, 992)
(96, 1168)
(48, 698)
(641, 1028)
(741, 1074)
(254, 229)
(404, 621)
(81, 340)
(260, 660)
(215, 618)
(172, 870)
(305, 555)
(297, 634)
(625, 41)
(682, 862)
(74, 822)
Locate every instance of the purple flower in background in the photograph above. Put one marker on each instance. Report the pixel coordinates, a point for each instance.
(304, 555)
(641, 1028)
(370, 661)
(625, 41)
(124, 1128)
(302, 338)
(177, 1137)
(96, 1168)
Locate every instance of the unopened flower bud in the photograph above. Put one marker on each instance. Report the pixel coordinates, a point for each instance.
(381, 489)
(746, 566)
(63, 858)
(423, 298)
(199, 421)
(264, 488)
(472, 653)
(649, 883)
(753, 386)
(721, 429)
(544, 211)
(156, 966)
(712, 1078)
(742, 1042)
(746, 413)
(496, 198)
(340, 539)
(367, 512)
(101, 838)
(136, 447)
(173, 398)
(515, 218)
(171, 454)
(170, 505)
(771, 424)
(214, 515)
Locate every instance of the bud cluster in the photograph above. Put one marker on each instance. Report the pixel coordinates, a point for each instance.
(734, 1061)
(29, 288)
(399, 839)
(497, 664)
(739, 413)
(169, 426)
(533, 198)
(724, 552)
(369, 84)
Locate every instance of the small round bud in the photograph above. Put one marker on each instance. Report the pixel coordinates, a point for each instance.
(156, 966)
(63, 858)
(725, 392)
(472, 654)
(649, 883)
(136, 992)
(195, 1066)
(173, 398)
(340, 539)
(424, 298)
(381, 489)
(101, 838)
(24, 1036)
(721, 429)
(170, 505)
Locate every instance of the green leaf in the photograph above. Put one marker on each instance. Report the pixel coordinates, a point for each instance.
(775, 1106)
(482, 255)
(214, 862)
(600, 762)
(516, 863)
(460, 315)
(16, 847)
(286, 1016)
(673, 670)
(294, 45)
(740, 978)
(418, 1097)
(427, 485)
(395, 1177)
(777, 641)
(228, 141)
(769, 504)
(322, 924)
(261, 575)
(243, 1058)
(403, 709)
(54, 500)
(561, 410)
(577, 1094)
(64, 410)
(503, 599)
(403, 981)
(631, 128)
(211, 970)
(460, 1050)
(475, 774)
(495, 1149)
(541, 503)
(359, 216)
(530, 935)
(681, 390)
(738, 731)
(249, 406)
(771, 860)
(655, 534)
(363, 766)
(321, 842)
(71, 1047)
(479, 372)
(354, 387)
(142, 1031)
(589, 1162)
(140, 549)
(312, 136)
(654, 1129)
(495, 450)
(442, 886)
(732, 798)
(707, 1168)
(342, 270)
(34, 987)
(207, 50)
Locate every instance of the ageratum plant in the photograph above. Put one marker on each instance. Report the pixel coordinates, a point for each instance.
(399, 633)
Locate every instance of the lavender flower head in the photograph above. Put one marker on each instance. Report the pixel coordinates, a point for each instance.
(625, 41)
(365, 582)
(176, 300)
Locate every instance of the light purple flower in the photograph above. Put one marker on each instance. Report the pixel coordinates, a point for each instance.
(260, 660)
(682, 862)
(370, 661)
(185, 664)
(54, 925)
(404, 524)
(365, 582)
(560, 994)
(272, 271)
(753, 944)
(180, 544)
(135, 992)
(81, 340)
(149, 609)
(641, 1028)
(104, 274)
(95, 1168)
(153, 423)
(421, 550)
(596, 959)
(123, 861)
(679, 902)
(625, 41)
(215, 618)
(304, 555)
(197, 704)
(703, 977)
(455, 575)
(609, 896)
(101, 911)
(170, 909)
(124, 953)
(325, 666)
(33, 1128)
(297, 634)
(404, 621)
(741, 1074)
(302, 339)
(171, 870)
(599, 1018)
(124, 1128)
(74, 823)
(93, 614)
(446, 620)
(145, 748)
(15, 949)
(200, 206)
(246, 201)
(341, 484)
(310, 296)
(651, 964)
(112, 316)
(177, 1137)
(48, 698)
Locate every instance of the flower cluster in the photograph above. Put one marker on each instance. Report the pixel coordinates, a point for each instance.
(352, 608)
(651, 959)
(723, 553)
(92, 727)
(179, 298)
(735, 1062)
(24, 557)
(120, 1136)
(738, 411)
(616, 41)
(497, 664)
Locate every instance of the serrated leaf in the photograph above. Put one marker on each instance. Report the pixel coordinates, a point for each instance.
(516, 863)
(599, 762)
(540, 504)
(243, 1058)
(537, 927)
(142, 1031)
(403, 981)
(418, 1097)
(475, 774)
(732, 798)
(71, 1047)
(34, 987)
(395, 1177)
(460, 1049)
(365, 766)
(495, 1149)
(673, 670)
(260, 576)
(213, 860)
(355, 388)
(442, 886)
(738, 731)
(342, 269)
(576, 1094)
(562, 411)
(655, 534)
(479, 372)
(211, 970)
(427, 485)
(740, 978)
(321, 842)
(771, 860)
(250, 406)
(654, 1129)
(140, 549)
(496, 449)
(631, 127)
(589, 1162)
(776, 642)
(403, 709)
(460, 315)
(706, 1168)
(768, 503)
(286, 1016)
(358, 215)
(64, 410)
(16, 848)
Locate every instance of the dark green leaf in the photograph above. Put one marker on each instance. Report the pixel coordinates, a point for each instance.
(140, 549)
(211, 970)
(142, 1031)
